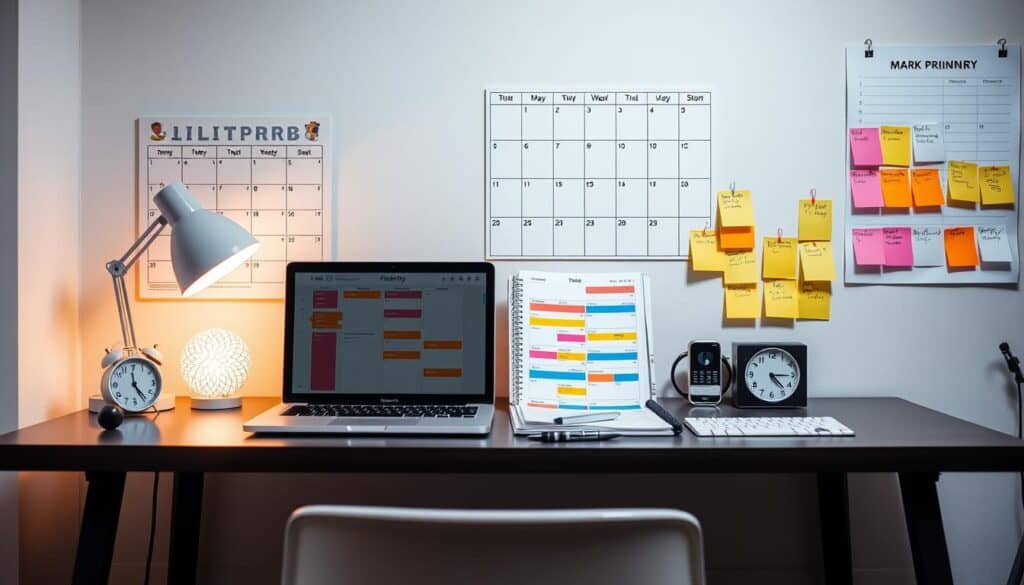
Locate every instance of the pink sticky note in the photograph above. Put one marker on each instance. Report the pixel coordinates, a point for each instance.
(899, 248)
(867, 246)
(867, 189)
(865, 147)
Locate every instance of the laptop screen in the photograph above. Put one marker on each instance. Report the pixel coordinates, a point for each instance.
(381, 333)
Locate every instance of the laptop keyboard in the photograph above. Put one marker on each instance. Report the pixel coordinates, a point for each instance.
(361, 410)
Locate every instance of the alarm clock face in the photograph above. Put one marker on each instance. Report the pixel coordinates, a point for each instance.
(133, 383)
(772, 375)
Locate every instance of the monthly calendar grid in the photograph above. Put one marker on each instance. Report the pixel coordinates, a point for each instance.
(619, 212)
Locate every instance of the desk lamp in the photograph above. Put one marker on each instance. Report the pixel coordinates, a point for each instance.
(205, 247)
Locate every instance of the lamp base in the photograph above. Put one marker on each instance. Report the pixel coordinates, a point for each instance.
(164, 402)
(225, 403)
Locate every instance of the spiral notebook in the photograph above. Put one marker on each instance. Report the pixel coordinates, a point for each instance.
(581, 344)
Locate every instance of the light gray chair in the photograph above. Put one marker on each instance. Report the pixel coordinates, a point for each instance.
(356, 545)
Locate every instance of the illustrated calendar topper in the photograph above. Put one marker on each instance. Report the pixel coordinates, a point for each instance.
(596, 174)
(271, 175)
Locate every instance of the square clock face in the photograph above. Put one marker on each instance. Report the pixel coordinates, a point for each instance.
(770, 375)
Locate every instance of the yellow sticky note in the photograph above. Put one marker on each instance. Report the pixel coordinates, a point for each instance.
(704, 252)
(742, 302)
(779, 258)
(996, 185)
(735, 208)
(742, 268)
(780, 299)
(962, 181)
(815, 219)
(895, 145)
(815, 300)
(817, 262)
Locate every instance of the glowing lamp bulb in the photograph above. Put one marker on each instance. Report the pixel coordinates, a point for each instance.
(215, 363)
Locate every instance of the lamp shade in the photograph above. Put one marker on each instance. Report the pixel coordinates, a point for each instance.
(205, 246)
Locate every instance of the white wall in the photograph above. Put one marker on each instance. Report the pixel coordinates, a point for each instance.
(403, 81)
(48, 234)
(9, 270)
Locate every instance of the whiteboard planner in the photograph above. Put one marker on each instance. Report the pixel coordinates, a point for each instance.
(596, 174)
(271, 175)
(962, 105)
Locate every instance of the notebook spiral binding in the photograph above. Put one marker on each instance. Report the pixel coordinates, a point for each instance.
(515, 339)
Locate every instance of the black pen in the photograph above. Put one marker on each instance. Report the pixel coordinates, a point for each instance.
(567, 436)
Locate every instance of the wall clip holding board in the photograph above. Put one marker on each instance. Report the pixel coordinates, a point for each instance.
(970, 95)
(596, 173)
(271, 175)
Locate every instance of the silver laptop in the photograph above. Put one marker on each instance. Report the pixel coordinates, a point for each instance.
(386, 348)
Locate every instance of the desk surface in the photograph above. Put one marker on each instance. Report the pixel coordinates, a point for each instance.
(892, 435)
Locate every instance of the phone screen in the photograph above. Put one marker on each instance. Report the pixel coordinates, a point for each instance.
(705, 371)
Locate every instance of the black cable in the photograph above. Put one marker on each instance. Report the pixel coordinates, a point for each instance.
(152, 527)
(1020, 435)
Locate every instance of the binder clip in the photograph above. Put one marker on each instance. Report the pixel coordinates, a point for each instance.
(1002, 48)
(868, 52)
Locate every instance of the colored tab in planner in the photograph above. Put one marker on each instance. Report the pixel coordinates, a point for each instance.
(626, 377)
(611, 308)
(868, 248)
(926, 188)
(866, 188)
(622, 355)
(325, 320)
(571, 337)
(551, 322)
(555, 375)
(779, 258)
(572, 391)
(362, 294)
(556, 308)
(815, 219)
(600, 378)
(961, 249)
(610, 290)
(865, 147)
(618, 336)
(735, 208)
(572, 356)
(615, 407)
(541, 354)
(895, 145)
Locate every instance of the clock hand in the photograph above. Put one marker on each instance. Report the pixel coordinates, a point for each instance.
(775, 378)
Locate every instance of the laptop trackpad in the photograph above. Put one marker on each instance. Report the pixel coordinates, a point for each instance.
(354, 421)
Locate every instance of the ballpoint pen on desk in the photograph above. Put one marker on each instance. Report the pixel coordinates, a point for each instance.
(585, 419)
(570, 436)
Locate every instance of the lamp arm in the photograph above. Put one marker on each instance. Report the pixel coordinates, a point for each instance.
(119, 268)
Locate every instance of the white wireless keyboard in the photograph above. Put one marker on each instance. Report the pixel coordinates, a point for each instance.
(768, 426)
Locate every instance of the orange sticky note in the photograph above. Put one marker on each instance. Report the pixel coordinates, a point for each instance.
(895, 187)
(961, 248)
(736, 238)
(926, 187)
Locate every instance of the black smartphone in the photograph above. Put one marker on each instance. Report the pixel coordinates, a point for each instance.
(705, 372)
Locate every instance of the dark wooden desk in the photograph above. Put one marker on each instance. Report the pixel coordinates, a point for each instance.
(893, 435)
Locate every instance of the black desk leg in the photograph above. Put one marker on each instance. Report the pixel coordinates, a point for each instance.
(834, 510)
(99, 527)
(1017, 571)
(186, 510)
(924, 527)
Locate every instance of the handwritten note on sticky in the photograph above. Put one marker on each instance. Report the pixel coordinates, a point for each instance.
(868, 247)
(993, 244)
(815, 300)
(895, 145)
(704, 252)
(928, 143)
(741, 268)
(927, 244)
(961, 250)
(865, 147)
(742, 302)
(866, 188)
(735, 209)
(814, 219)
(895, 188)
(817, 262)
(736, 238)
(926, 187)
(962, 181)
(899, 251)
(996, 185)
(779, 258)
(780, 299)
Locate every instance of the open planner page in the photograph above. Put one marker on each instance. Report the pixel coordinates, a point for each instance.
(581, 344)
